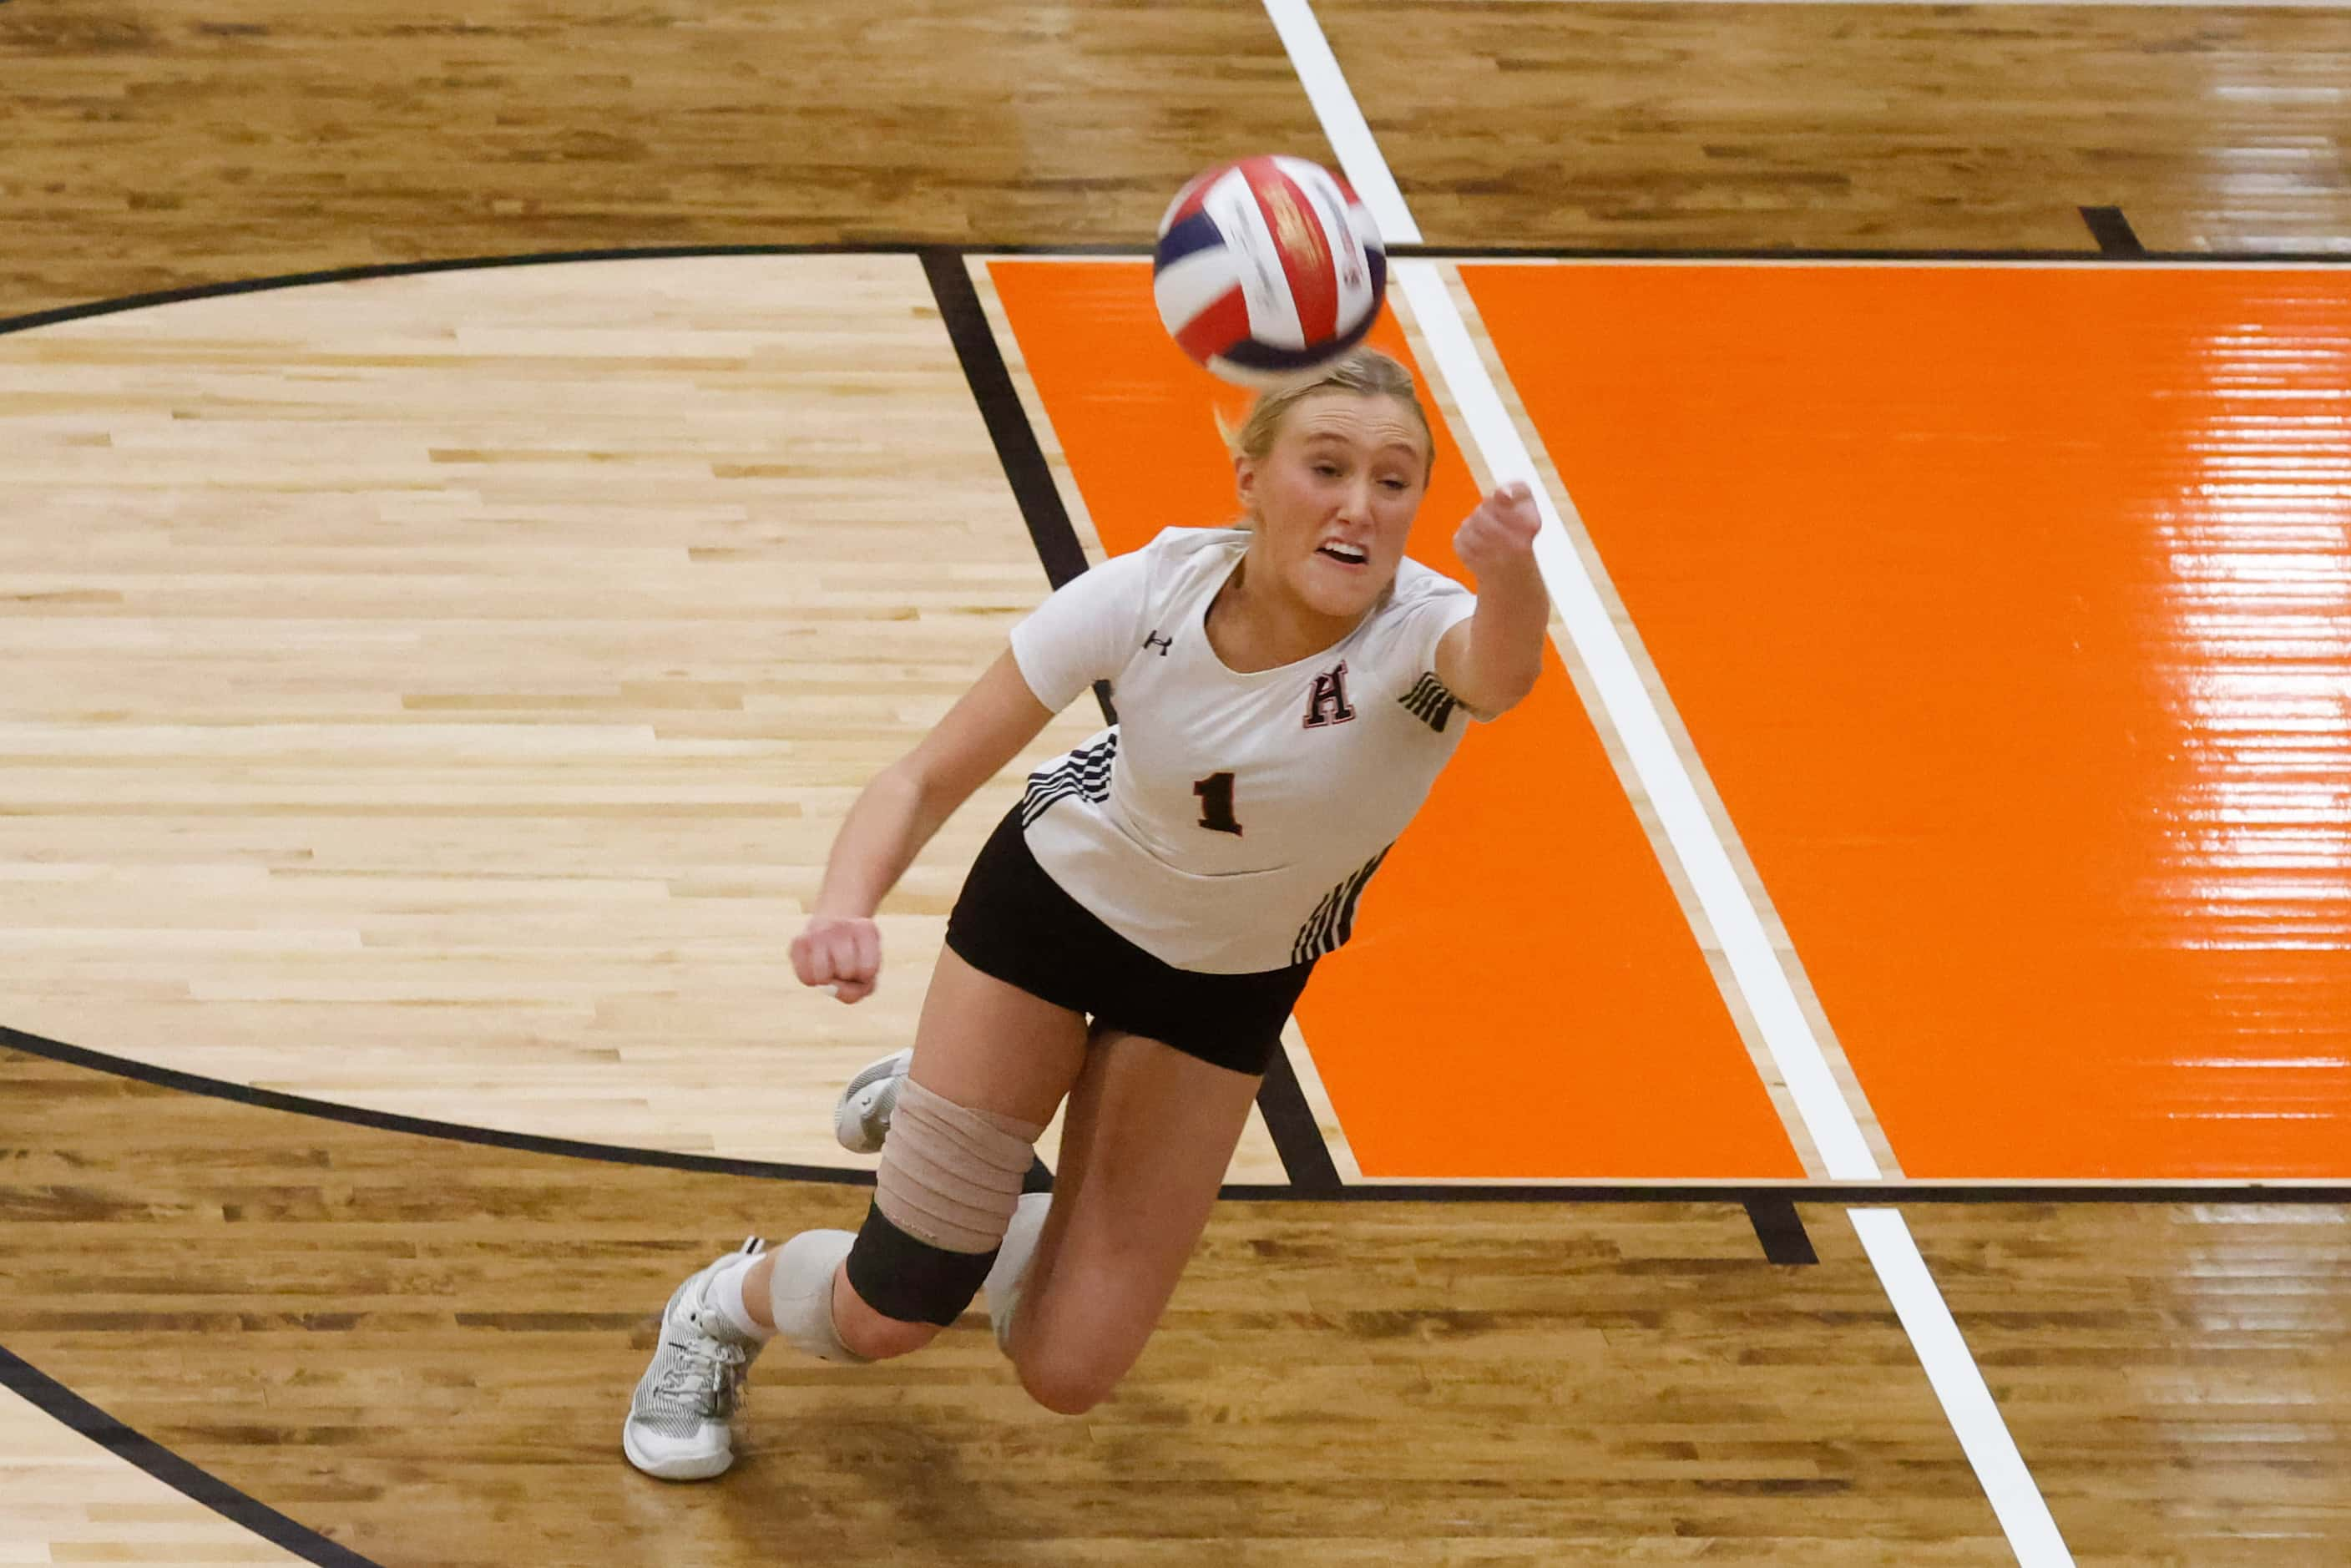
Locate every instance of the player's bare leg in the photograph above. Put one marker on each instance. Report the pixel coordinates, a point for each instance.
(1146, 1140)
(987, 1055)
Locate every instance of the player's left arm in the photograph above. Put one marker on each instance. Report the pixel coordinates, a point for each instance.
(1490, 660)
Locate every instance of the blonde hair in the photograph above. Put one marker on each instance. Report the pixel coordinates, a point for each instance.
(1366, 372)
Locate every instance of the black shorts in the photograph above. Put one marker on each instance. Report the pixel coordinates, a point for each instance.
(1014, 922)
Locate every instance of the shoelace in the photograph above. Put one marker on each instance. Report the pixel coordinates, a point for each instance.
(711, 1369)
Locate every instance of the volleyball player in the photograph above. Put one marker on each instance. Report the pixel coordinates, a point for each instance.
(1133, 934)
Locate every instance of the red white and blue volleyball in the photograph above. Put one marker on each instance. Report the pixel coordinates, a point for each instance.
(1268, 268)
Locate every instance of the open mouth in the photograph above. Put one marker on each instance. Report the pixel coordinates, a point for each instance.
(1346, 555)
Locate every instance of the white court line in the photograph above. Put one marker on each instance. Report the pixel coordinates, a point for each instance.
(1787, 1034)
(1939, 5)
(2326, 262)
(1967, 1403)
(1342, 122)
(1821, 1104)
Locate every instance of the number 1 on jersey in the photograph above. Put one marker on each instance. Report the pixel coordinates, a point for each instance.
(1216, 793)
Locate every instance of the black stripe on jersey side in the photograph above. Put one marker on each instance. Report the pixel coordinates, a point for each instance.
(1430, 701)
(1281, 1099)
(1086, 773)
(1298, 949)
(1355, 897)
(1333, 920)
(1313, 937)
(62, 1405)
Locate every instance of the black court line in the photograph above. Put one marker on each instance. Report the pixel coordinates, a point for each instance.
(1990, 255)
(1290, 1120)
(1404, 251)
(1655, 1191)
(1863, 1195)
(1017, 449)
(1007, 423)
(419, 1126)
(2112, 231)
(419, 268)
(1780, 1229)
(1279, 1099)
(63, 1405)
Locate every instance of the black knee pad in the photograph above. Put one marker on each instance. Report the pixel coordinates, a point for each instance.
(903, 1277)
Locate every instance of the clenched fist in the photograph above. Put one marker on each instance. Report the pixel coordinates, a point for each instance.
(1499, 536)
(839, 950)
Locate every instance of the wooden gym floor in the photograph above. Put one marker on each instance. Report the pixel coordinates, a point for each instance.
(430, 691)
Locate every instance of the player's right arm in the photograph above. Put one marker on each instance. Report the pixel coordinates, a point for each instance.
(896, 816)
(1083, 632)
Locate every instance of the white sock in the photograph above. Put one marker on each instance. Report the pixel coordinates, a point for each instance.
(724, 1297)
(1006, 1275)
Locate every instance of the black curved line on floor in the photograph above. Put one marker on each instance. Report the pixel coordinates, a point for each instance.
(419, 1126)
(417, 268)
(61, 1404)
(1730, 1192)
(915, 248)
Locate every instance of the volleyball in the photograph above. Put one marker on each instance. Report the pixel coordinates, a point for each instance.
(1268, 268)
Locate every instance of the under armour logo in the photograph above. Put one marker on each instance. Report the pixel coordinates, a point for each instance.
(1328, 702)
(1162, 644)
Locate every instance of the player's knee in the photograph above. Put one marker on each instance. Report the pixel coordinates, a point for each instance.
(1066, 1391)
(949, 1182)
(1070, 1380)
(878, 1338)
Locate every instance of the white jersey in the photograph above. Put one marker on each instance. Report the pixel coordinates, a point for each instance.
(1228, 822)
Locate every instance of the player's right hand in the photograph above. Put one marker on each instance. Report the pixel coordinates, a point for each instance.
(1499, 536)
(842, 951)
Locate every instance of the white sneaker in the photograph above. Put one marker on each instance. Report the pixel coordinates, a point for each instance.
(680, 1421)
(861, 1117)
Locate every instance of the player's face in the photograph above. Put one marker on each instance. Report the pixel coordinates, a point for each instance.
(1334, 498)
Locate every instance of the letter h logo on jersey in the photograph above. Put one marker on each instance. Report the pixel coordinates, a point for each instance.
(1327, 704)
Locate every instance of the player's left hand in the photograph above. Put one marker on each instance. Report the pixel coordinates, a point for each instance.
(1499, 536)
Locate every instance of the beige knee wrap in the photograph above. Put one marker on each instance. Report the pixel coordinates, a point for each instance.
(951, 1176)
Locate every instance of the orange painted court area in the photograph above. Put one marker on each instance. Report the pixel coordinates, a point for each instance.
(1522, 997)
(2009, 610)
